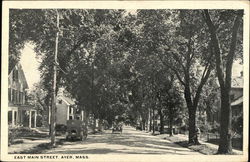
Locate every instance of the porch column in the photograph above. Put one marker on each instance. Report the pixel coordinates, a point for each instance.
(30, 118)
(13, 118)
(49, 114)
(17, 117)
(35, 119)
(82, 115)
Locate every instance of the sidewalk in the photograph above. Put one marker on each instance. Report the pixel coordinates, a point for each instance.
(27, 144)
(184, 137)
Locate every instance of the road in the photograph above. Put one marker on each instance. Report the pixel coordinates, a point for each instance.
(131, 141)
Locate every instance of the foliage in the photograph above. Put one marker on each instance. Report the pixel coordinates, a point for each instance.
(12, 135)
(225, 29)
(115, 63)
(19, 132)
(237, 124)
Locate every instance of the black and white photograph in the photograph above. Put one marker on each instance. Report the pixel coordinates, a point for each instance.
(125, 81)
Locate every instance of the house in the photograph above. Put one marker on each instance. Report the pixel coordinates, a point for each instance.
(19, 111)
(236, 95)
(66, 109)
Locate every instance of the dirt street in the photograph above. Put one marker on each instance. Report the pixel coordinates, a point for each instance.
(131, 141)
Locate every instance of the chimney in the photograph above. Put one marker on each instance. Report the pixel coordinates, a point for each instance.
(60, 92)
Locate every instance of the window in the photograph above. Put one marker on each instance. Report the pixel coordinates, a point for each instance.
(9, 117)
(9, 94)
(60, 101)
(14, 96)
(71, 110)
(15, 75)
(20, 97)
(17, 97)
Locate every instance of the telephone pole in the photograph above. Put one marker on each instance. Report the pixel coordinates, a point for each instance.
(53, 107)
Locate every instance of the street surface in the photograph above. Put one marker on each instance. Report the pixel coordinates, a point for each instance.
(130, 141)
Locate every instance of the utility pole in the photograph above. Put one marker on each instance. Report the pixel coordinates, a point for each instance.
(53, 107)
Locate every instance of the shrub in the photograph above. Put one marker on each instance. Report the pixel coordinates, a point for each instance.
(215, 128)
(12, 134)
(17, 132)
(237, 124)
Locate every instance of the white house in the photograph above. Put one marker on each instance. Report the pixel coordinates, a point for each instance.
(20, 112)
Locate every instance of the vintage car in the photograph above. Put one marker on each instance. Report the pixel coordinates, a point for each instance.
(76, 129)
(117, 127)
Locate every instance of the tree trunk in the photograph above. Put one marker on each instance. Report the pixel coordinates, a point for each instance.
(94, 125)
(100, 121)
(171, 122)
(86, 119)
(153, 113)
(161, 122)
(225, 145)
(192, 137)
(150, 120)
(143, 124)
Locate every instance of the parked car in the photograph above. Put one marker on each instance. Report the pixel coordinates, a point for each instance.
(60, 129)
(76, 129)
(117, 127)
(138, 127)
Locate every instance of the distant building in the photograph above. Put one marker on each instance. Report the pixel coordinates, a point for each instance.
(66, 109)
(236, 100)
(237, 95)
(19, 111)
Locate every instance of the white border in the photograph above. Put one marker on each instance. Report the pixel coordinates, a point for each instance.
(126, 5)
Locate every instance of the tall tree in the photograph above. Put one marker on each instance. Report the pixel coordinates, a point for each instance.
(225, 53)
(171, 100)
(189, 56)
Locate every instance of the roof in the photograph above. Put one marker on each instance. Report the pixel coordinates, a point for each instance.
(237, 82)
(22, 75)
(67, 100)
(23, 107)
(237, 101)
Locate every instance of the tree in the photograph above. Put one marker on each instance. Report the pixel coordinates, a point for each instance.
(172, 102)
(225, 54)
(39, 97)
(189, 57)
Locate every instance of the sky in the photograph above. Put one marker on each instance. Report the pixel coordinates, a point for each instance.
(30, 66)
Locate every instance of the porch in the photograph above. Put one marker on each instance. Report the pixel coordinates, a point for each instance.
(24, 115)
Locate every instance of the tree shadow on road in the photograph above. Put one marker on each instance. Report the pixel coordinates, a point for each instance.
(126, 143)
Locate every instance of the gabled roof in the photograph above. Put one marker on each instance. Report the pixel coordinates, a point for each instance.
(67, 100)
(21, 75)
